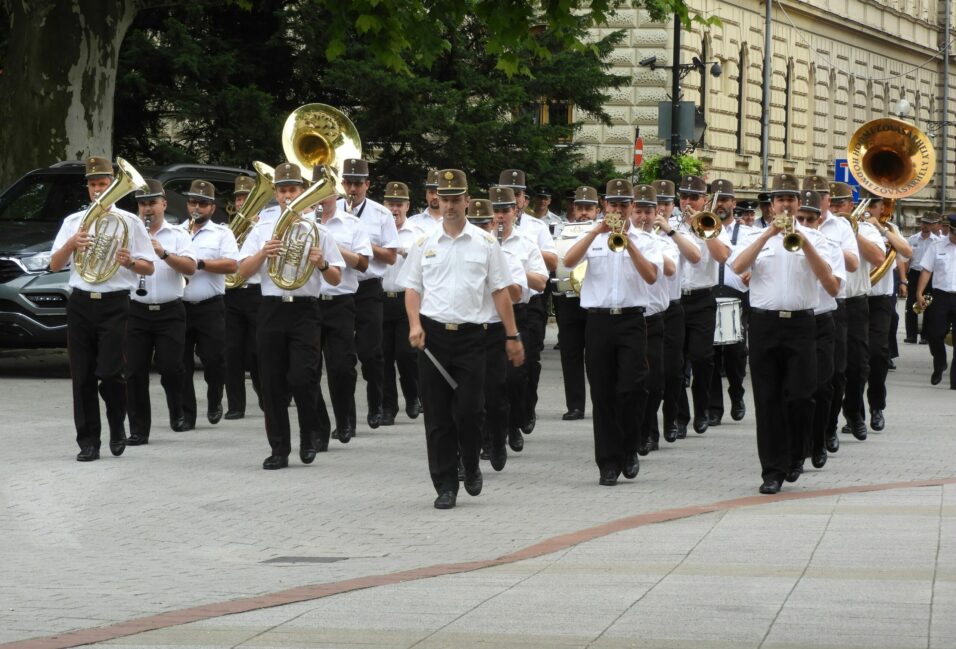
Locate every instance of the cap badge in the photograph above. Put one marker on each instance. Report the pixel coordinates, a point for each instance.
(449, 175)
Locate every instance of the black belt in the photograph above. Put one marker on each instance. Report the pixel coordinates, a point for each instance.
(94, 295)
(371, 279)
(619, 311)
(290, 298)
(696, 291)
(244, 287)
(451, 326)
(802, 313)
(841, 300)
(394, 294)
(156, 307)
(826, 315)
(214, 298)
(336, 298)
(673, 303)
(858, 298)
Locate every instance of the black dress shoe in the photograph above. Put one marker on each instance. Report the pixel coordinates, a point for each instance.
(274, 462)
(846, 429)
(307, 451)
(738, 410)
(642, 450)
(713, 420)
(461, 471)
(700, 425)
(833, 442)
(322, 446)
(877, 421)
(858, 428)
(473, 483)
(485, 453)
(344, 435)
(923, 341)
(446, 500)
(118, 446)
(515, 440)
(528, 428)
(88, 454)
(818, 459)
(891, 365)
(180, 425)
(137, 440)
(655, 445)
(770, 486)
(936, 377)
(909, 340)
(214, 414)
(388, 418)
(670, 433)
(413, 408)
(572, 415)
(374, 420)
(795, 472)
(499, 457)
(631, 466)
(234, 414)
(681, 431)
(608, 477)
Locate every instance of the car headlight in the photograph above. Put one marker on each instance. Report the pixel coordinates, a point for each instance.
(37, 262)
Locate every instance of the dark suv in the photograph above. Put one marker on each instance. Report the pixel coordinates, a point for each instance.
(33, 299)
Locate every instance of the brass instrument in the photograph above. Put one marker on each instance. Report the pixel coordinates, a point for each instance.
(706, 224)
(792, 240)
(291, 268)
(107, 229)
(500, 233)
(616, 240)
(859, 212)
(917, 309)
(317, 134)
(577, 277)
(894, 160)
(243, 221)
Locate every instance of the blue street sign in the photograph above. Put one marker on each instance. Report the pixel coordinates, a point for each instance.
(843, 174)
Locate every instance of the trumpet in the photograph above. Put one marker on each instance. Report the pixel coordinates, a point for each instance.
(706, 224)
(792, 240)
(616, 240)
(917, 309)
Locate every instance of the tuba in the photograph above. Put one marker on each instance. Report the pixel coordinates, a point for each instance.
(892, 159)
(107, 229)
(243, 221)
(317, 134)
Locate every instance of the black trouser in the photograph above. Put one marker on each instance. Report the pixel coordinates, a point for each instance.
(911, 318)
(882, 308)
(732, 358)
(654, 385)
(338, 352)
(532, 337)
(96, 339)
(452, 416)
(518, 377)
(673, 361)
(154, 332)
(940, 319)
(857, 356)
(838, 381)
(783, 372)
(615, 358)
(368, 342)
(823, 396)
(494, 431)
(242, 309)
(700, 316)
(289, 338)
(397, 352)
(572, 320)
(206, 337)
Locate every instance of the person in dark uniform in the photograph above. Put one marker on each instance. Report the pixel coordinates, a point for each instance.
(447, 303)
(572, 319)
(939, 265)
(615, 292)
(379, 224)
(216, 252)
(746, 212)
(398, 353)
(766, 212)
(157, 319)
(96, 316)
(784, 289)
(289, 335)
(242, 309)
(919, 242)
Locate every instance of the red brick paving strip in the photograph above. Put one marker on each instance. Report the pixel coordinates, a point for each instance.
(318, 591)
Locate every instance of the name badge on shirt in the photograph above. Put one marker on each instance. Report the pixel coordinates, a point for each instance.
(431, 252)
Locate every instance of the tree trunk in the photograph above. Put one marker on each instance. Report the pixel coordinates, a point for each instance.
(56, 91)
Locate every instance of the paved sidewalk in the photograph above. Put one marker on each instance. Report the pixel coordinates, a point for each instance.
(192, 520)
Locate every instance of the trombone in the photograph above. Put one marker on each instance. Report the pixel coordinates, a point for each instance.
(706, 224)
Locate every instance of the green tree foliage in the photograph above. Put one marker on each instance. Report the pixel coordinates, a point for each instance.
(665, 167)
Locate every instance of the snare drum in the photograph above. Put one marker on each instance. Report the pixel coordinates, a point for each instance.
(563, 243)
(728, 329)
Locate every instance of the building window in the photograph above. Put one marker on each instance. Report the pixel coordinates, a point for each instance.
(554, 112)
(741, 97)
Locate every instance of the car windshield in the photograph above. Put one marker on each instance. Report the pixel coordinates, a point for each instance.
(44, 199)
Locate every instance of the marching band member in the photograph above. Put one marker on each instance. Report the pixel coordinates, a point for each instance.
(289, 329)
(96, 317)
(615, 293)
(529, 257)
(157, 318)
(216, 252)
(454, 277)
(242, 309)
(572, 319)
(380, 226)
(431, 215)
(536, 312)
(540, 210)
(395, 345)
(939, 265)
(747, 212)
(700, 305)
(783, 294)
(919, 242)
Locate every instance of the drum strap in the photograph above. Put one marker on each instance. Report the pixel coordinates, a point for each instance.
(733, 241)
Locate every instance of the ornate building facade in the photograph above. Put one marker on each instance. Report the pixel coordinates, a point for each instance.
(835, 65)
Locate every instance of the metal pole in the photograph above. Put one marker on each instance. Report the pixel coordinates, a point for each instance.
(765, 118)
(944, 154)
(675, 91)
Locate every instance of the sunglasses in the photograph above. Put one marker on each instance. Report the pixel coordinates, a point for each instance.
(806, 219)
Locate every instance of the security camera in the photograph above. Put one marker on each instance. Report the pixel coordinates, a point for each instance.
(650, 62)
(715, 69)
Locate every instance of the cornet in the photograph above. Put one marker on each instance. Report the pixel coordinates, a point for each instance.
(792, 240)
(706, 223)
(616, 240)
(917, 309)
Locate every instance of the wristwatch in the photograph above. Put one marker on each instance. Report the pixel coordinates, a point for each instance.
(164, 255)
(200, 264)
(131, 264)
(324, 268)
(517, 336)
(672, 232)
